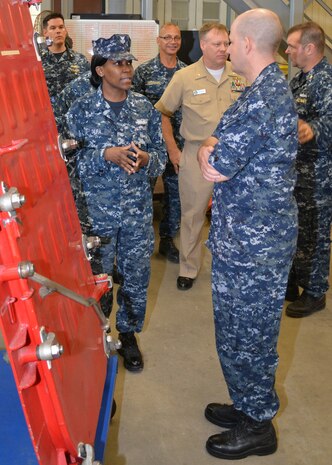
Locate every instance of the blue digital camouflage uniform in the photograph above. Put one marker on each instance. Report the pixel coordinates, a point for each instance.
(151, 79)
(312, 92)
(76, 88)
(253, 237)
(59, 72)
(120, 205)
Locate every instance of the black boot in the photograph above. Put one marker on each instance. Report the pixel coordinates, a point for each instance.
(223, 415)
(132, 357)
(306, 305)
(168, 249)
(249, 437)
(184, 284)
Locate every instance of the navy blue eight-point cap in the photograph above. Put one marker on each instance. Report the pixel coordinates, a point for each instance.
(116, 48)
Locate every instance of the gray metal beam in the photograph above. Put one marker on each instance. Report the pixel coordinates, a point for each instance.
(66, 8)
(296, 13)
(228, 17)
(147, 9)
(240, 6)
(278, 6)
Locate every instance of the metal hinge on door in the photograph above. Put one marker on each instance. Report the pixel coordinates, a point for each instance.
(26, 270)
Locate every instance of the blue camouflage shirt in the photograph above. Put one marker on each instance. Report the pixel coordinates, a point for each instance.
(111, 194)
(151, 79)
(75, 89)
(312, 92)
(59, 72)
(254, 213)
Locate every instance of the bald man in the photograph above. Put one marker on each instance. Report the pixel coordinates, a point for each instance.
(251, 159)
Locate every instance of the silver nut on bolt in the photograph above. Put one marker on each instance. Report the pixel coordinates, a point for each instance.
(11, 200)
(93, 242)
(69, 144)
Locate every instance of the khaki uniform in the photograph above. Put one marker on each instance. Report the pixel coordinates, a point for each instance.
(203, 101)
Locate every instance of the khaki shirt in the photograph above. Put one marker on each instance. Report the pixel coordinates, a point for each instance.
(202, 98)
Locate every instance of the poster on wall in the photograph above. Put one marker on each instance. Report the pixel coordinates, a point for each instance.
(143, 35)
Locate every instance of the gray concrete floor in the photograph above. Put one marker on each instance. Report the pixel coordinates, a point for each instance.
(159, 419)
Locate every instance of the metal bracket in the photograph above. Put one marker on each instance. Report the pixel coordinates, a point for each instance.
(50, 348)
(26, 270)
(87, 453)
(110, 344)
(52, 286)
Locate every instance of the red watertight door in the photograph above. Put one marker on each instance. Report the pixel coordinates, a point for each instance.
(55, 334)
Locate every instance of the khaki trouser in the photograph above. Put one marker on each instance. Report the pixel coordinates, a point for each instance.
(195, 193)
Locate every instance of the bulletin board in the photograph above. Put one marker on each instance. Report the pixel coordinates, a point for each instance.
(143, 35)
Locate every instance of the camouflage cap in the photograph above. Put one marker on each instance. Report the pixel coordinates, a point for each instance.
(116, 48)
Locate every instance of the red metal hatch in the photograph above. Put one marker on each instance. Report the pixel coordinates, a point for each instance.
(55, 334)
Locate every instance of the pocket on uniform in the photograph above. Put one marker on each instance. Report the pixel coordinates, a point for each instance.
(200, 99)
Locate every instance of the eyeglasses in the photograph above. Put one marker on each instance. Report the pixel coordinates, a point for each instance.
(170, 38)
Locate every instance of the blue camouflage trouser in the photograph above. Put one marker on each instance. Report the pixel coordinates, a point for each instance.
(311, 266)
(170, 222)
(247, 302)
(132, 249)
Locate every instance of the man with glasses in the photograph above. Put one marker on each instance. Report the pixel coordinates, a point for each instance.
(204, 91)
(151, 79)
